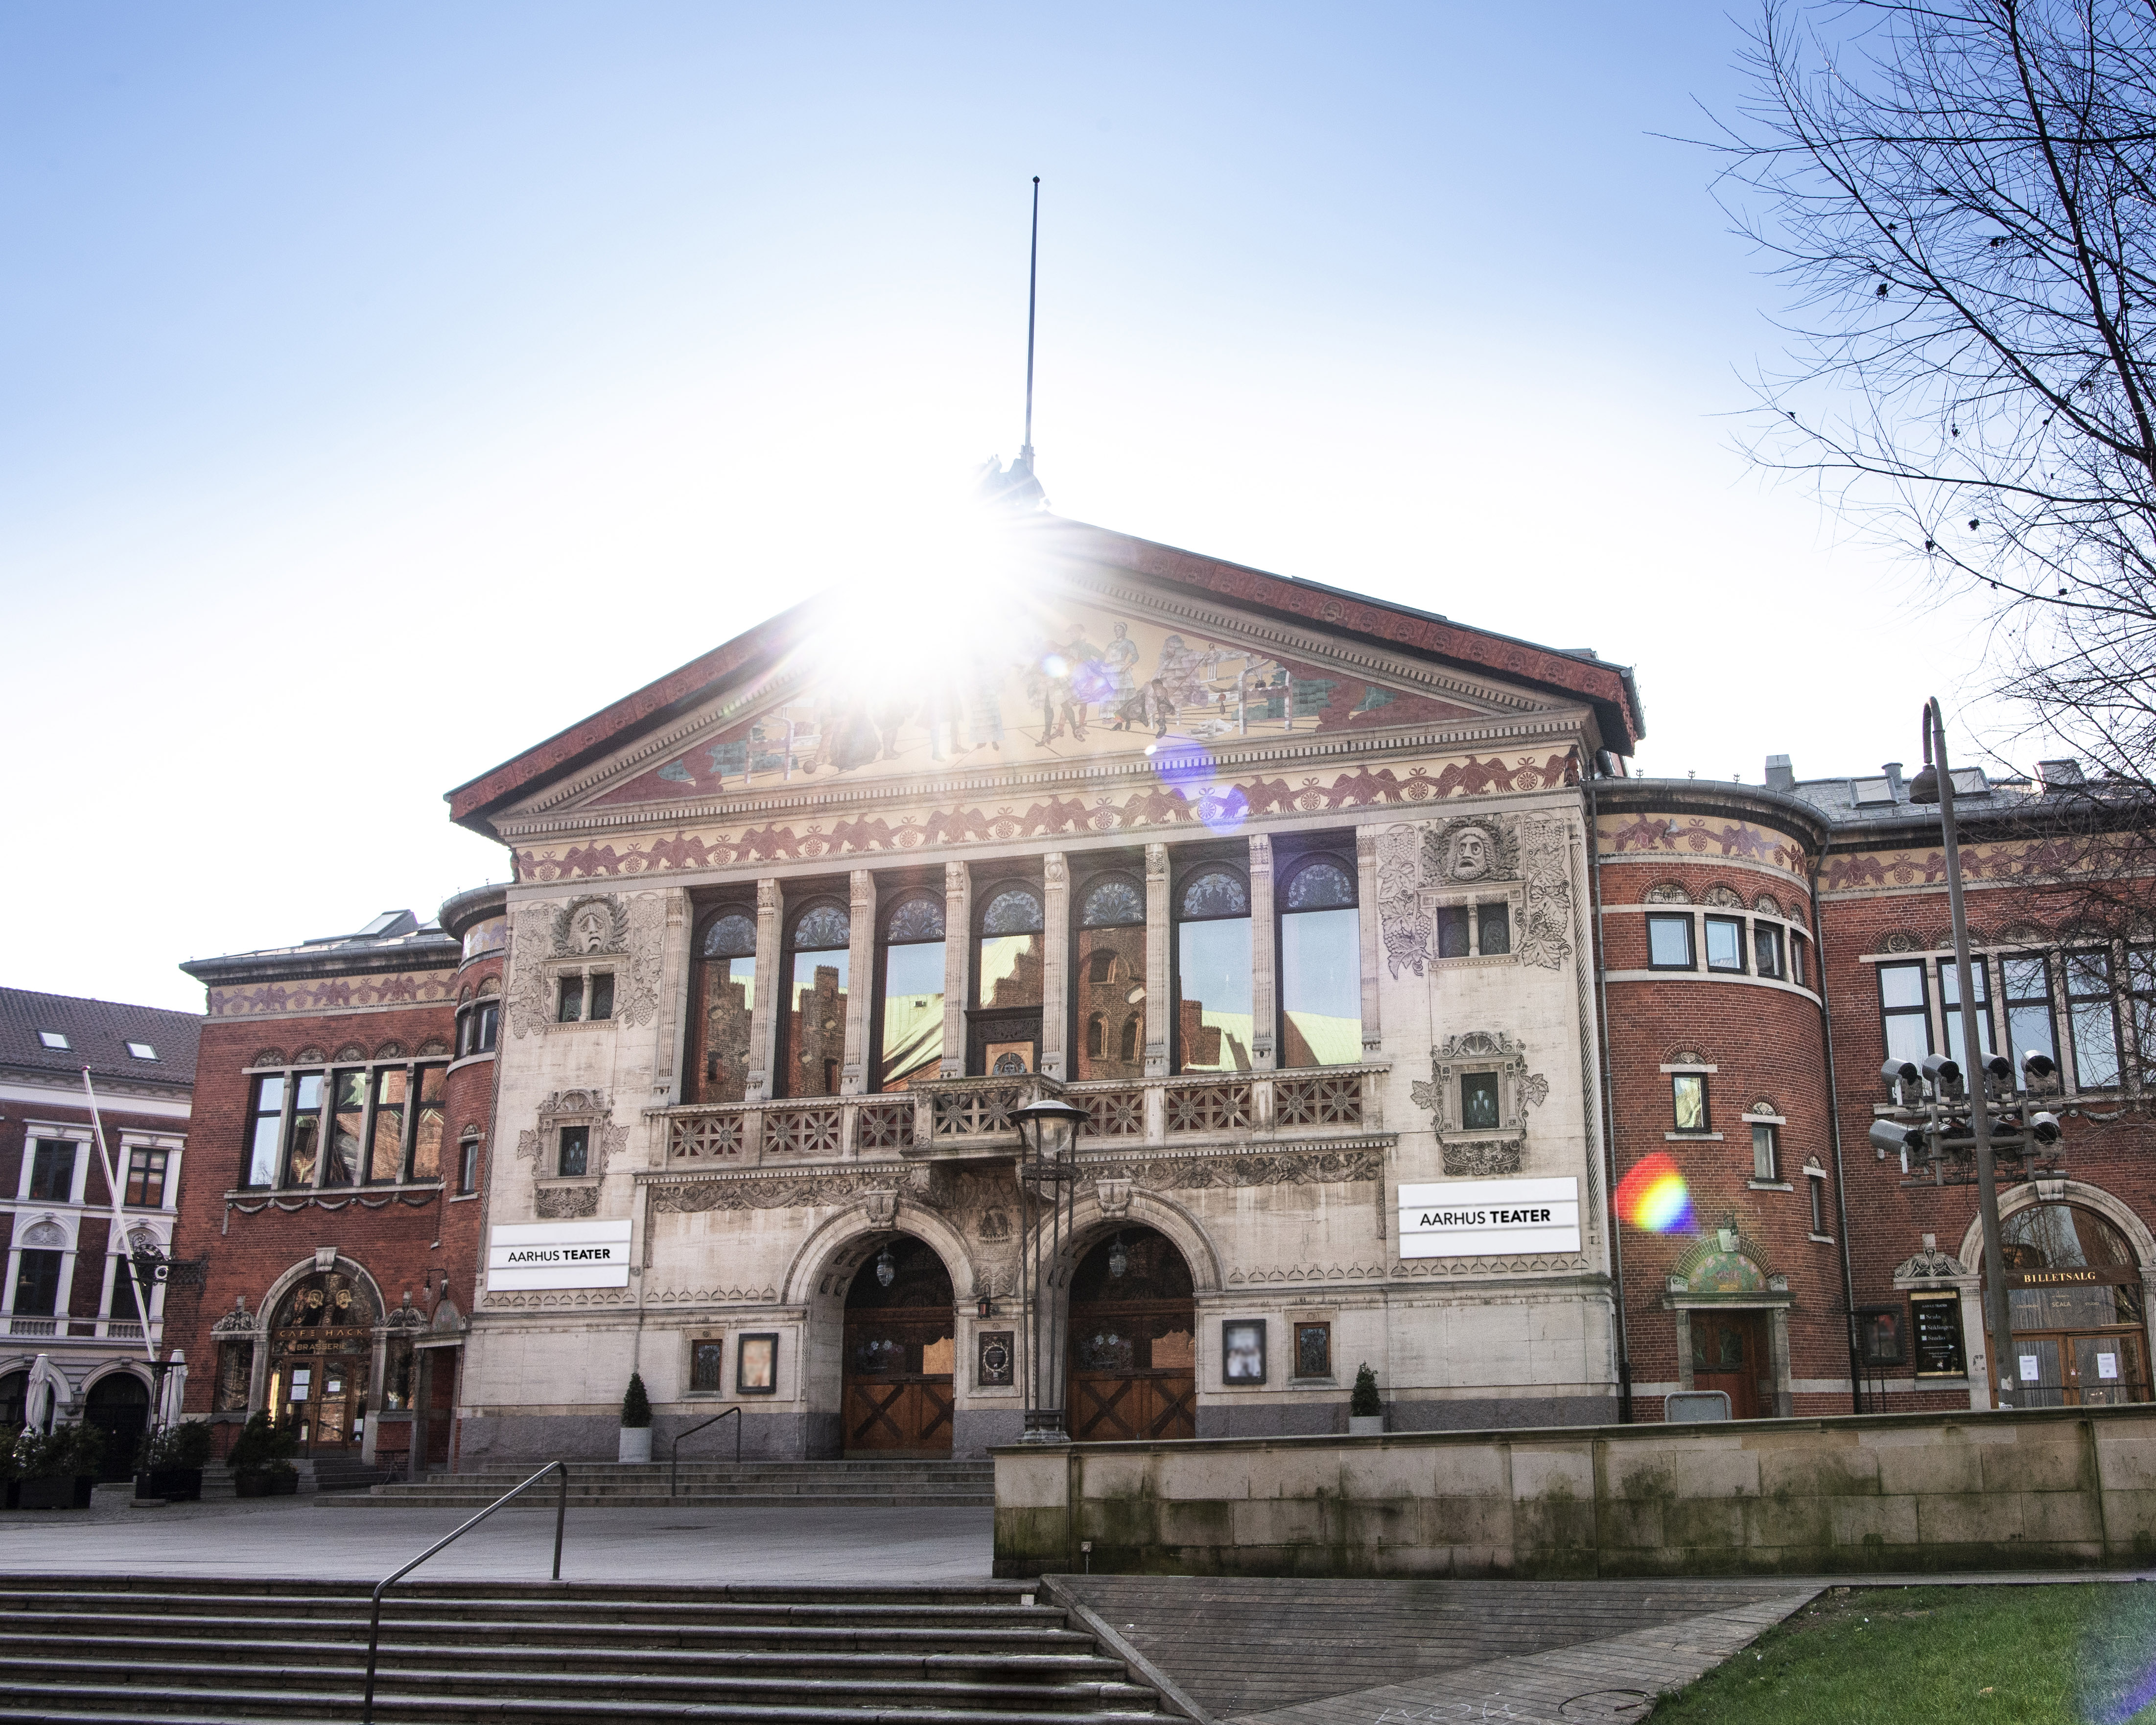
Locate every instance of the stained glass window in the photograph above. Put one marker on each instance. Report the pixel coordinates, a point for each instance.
(732, 936)
(917, 919)
(1320, 886)
(1112, 903)
(822, 928)
(1216, 892)
(1014, 911)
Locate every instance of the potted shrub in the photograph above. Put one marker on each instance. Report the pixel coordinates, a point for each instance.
(635, 1422)
(170, 1463)
(59, 1469)
(260, 1458)
(1366, 1414)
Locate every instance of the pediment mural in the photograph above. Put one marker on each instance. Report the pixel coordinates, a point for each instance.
(1072, 682)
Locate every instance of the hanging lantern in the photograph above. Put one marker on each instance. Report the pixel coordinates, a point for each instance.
(886, 1271)
(1119, 1259)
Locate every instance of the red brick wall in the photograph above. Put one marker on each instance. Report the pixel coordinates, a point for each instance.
(1766, 1043)
(397, 1243)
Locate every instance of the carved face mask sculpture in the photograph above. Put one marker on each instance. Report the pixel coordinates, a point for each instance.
(1470, 855)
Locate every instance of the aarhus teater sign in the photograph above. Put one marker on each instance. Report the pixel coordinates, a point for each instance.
(558, 1255)
(1476, 1218)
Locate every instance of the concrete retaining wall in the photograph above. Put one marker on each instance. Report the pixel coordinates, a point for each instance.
(1883, 1492)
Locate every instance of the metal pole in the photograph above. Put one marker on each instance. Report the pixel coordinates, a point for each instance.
(1031, 301)
(1998, 1323)
(561, 1517)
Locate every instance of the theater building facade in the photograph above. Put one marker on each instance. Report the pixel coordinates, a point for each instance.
(1289, 890)
(345, 1085)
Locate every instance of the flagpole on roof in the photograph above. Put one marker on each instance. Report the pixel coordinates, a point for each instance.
(1031, 301)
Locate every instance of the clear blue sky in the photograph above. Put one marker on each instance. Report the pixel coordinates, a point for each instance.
(386, 387)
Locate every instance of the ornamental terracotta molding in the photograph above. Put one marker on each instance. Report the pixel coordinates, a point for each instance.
(1662, 835)
(358, 993)
(1155, 808)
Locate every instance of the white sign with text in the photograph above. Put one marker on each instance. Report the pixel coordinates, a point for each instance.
(558, 1255)
(1475, 1218)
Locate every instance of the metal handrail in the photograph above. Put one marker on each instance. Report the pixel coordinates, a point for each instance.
(674, 1478)
(374, 1627)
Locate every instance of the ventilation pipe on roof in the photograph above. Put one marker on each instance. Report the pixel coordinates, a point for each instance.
(1892, 769)
(1780, 776)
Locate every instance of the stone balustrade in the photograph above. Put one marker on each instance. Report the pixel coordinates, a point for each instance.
(960, 1118)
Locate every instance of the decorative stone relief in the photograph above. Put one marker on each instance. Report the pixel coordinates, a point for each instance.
(1482, 1146)
(562, 1203)
(1667, 892)
(1334, 1167)
(525, 996)
(238, 1321)
(1115, 1196)
(1484, 1157)
(1726, 897)
(1419, 862)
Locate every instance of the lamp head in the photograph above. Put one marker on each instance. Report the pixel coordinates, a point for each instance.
(2036, 1064)
(2043, 1128)
(1050, 1127)
(1944, 1074)
(1924, 788)
(1890, 1137)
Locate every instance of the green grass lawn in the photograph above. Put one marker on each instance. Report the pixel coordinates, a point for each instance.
(2078, 1653)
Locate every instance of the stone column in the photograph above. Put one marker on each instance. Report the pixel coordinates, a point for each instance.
(1055, 966)
(676, 974)
(1367, 926)
(1158, 932)
(1263, 958)
(957, 964)
(763, 1018)
(860, 983)
(422, 1403)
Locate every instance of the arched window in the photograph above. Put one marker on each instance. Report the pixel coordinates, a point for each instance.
(1110, 965)
(1009, 971)
(910, 985)
(1320, 965)
(1212, 1029)
(1003, 1030)
(816, 1000)
(726, 1004)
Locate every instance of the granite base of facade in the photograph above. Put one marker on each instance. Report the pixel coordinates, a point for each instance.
(492, 1439)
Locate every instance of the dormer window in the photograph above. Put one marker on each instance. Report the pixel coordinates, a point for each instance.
(142, 1051)
(52, 1038)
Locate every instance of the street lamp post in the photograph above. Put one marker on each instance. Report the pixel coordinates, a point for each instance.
(1935, 783)
(1048, 1174)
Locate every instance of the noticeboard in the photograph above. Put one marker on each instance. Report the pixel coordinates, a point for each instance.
(1936, 1318)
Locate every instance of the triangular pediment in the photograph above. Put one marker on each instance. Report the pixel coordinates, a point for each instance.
(1085, 683)
(1102, 654)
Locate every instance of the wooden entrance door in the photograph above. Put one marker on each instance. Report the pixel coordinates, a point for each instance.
(897, 1393)
(1729, 1352)
(1133, 1341)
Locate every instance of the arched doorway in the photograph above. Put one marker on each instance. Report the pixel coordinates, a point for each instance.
(1133, 1341)
(119, 1406)
(322, 1345)
(901, 1343)
(2074, 1294)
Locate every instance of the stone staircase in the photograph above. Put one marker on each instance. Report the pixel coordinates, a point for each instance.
(99, 1650)
(930, 1485)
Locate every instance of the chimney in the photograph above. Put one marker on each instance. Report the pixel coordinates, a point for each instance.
(1780, 776)
(2057, 775)
(1892, 769)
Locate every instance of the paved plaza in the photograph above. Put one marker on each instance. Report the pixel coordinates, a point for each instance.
(1245, 1650)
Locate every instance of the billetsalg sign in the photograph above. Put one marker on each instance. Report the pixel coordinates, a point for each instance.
(1475, 1218)
(557, 1255)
